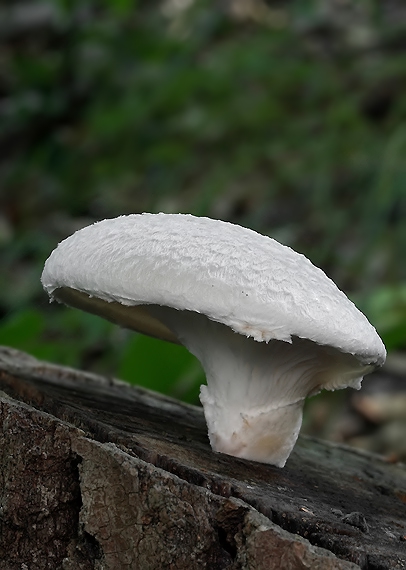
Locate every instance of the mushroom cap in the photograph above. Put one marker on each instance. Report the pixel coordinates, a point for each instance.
(233, 275)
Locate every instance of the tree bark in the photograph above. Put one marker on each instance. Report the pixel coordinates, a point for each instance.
(96, 474)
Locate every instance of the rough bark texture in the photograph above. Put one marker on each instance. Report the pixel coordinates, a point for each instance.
(96, 474)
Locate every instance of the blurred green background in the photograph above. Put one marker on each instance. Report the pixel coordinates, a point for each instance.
(286, 117)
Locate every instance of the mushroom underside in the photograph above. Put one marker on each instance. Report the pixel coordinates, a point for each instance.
(253, 401)
(255, 391)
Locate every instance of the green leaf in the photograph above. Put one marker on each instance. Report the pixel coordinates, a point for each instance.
(21, 329)
(161, 366)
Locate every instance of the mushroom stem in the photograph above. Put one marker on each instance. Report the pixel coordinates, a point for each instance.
(255, 391)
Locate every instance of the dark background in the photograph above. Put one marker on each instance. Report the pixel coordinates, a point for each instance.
(286, 117)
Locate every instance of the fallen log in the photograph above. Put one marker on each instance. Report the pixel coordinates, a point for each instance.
(97, 474)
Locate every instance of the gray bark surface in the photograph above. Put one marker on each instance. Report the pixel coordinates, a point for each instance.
(96, 474)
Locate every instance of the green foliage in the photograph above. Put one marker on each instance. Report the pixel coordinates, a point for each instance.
(161, 366)
(23, 330)
(64, 336)
(386, 307)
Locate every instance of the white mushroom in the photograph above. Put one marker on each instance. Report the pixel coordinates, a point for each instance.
(268, 327)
